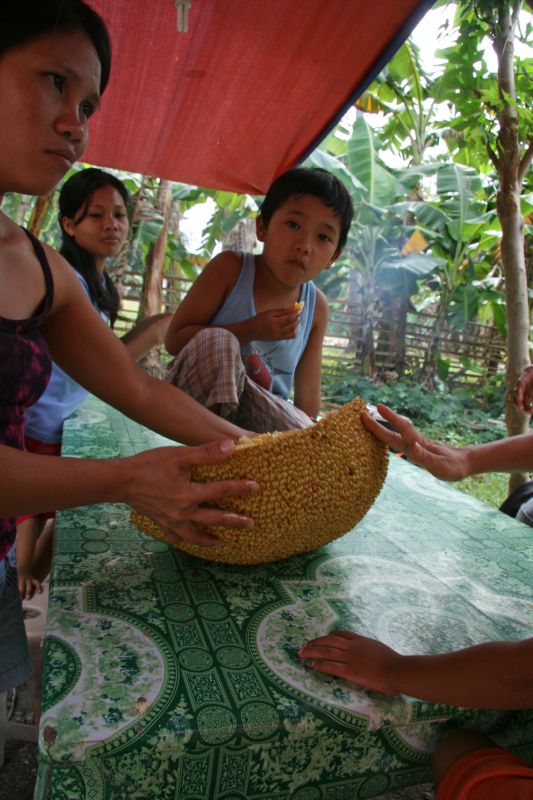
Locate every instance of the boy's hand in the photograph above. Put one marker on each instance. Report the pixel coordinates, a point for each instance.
(359, 660)
(28, 585)
(524, 390)
(445, 462)
(275, 324)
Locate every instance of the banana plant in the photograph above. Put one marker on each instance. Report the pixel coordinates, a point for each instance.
(380, 266)
(461, 230)
(229, 209)
(409, 98)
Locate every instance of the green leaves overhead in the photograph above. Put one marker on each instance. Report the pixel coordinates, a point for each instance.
(472, 90)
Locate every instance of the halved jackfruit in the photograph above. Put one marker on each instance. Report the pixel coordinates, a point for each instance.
(315, 485)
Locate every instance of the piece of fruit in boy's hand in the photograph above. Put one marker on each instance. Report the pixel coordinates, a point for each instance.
(298, 306)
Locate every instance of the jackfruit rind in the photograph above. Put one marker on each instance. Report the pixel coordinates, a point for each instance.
(315, 485)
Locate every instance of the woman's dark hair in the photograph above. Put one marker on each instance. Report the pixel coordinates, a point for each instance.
(21, 20)
(74, 201)
(316, 182)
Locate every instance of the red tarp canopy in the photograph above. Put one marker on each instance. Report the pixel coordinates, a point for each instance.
(246, 92)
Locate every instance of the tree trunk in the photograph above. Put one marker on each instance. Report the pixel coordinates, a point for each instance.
(400, 350)
(121, 263)
(429, 368)
(151, 301)
(510, 166)
(368, 352)
(242, 238)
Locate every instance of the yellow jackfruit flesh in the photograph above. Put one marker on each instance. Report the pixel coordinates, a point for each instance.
(314, 486)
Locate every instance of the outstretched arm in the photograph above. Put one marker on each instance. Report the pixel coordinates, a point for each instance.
(148, 333)
(512, 454)
(491, 675)
(83, 345)
(156, 483)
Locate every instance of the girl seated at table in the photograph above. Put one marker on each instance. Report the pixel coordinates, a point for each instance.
(93, 216)
(489, 675)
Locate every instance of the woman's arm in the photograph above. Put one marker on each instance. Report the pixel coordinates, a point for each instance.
(307, 378)
(86, 349)
(491, 675)
(156, 483)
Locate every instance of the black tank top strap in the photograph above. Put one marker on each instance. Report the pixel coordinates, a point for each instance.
(46, 305)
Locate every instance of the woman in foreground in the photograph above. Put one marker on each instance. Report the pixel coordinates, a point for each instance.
(54, 65)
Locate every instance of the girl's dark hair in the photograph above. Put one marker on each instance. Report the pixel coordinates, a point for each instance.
(74, 201)
(314, 181)
(21, 20)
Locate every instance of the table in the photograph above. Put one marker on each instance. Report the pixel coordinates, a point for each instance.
(172, 677)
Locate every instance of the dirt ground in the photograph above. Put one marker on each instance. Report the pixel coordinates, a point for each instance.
(17, 776)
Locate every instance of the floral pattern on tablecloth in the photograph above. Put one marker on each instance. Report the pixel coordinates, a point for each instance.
(353, 593)
(169, 677)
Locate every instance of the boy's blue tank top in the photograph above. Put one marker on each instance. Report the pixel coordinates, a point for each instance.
(280, 357)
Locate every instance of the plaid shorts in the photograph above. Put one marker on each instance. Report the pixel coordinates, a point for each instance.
(211, 370)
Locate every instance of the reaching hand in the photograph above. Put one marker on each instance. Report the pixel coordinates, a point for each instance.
(275, 324)
(159, 486)
(443, 461)
(524, 390)
(27, 584)
(359, 660)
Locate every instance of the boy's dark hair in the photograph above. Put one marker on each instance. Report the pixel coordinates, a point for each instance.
(21, 20)
(314, 181)
(75, 197)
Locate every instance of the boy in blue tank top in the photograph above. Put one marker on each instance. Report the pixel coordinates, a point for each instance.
(251, 328)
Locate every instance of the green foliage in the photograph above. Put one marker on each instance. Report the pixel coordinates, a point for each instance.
(472, 90)
(462, 230)
(458, 417)
(230, 208)
(408, 97)
(491, 487)
(379, 232)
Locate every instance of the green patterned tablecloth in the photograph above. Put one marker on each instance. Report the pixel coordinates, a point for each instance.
(172, 678)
